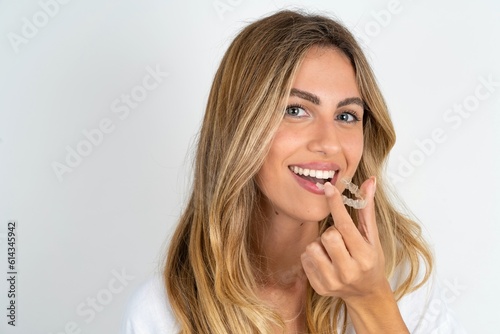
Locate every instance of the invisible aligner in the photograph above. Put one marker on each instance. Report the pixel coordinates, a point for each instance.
(354, 203)
(359, 203)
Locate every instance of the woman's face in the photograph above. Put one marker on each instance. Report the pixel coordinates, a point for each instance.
(320, 136)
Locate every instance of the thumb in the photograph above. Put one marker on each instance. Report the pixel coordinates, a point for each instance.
(367, 223)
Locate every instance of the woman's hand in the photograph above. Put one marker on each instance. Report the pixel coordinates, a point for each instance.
(348, 262)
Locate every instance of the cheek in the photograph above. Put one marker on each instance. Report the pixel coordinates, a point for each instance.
(275, 165)
(285, 143)
(267, 173)
(353, 148)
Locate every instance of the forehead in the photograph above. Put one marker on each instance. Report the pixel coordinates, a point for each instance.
(326, 72)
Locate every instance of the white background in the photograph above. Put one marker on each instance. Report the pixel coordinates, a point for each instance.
(115, 210)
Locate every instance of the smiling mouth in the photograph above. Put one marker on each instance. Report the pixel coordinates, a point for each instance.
(314, 175)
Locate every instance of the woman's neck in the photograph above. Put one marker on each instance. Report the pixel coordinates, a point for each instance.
(281, 279)
(282, 241)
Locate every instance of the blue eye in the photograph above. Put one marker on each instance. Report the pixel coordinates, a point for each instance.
(295, 111)
(348, 117)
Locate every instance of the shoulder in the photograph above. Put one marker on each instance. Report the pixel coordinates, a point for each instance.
(148, 310)
(426, 311)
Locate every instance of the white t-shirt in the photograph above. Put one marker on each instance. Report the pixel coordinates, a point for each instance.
(424, 311)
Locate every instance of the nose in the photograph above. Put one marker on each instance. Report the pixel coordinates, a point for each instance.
(324, 139)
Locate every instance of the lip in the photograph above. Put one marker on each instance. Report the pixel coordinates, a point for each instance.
(308, 185)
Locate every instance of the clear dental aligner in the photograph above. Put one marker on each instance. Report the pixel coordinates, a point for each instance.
(358, 203)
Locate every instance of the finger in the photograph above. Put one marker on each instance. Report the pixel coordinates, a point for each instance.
(367, 222)
(315, 259)
(334, 245)
(318, 267)
(342, 220)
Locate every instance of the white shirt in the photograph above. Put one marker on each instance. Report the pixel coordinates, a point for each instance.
(424, 311)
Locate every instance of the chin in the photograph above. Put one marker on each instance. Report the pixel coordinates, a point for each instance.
(314, 216)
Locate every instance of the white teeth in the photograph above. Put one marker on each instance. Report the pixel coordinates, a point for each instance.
(319, 174)
(320, 186)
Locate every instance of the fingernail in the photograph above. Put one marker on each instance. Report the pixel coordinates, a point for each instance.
(329, 191)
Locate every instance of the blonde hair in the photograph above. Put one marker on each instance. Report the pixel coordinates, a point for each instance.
(210, 268)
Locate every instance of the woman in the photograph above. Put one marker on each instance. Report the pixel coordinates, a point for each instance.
(265, 243)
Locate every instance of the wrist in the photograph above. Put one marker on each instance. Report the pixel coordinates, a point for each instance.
(376, 312)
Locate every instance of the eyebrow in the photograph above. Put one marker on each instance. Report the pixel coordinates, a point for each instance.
(351, 100)
(305, 95)
(316, 100)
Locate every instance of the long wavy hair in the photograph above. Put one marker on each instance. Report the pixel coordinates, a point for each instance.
(210, 273)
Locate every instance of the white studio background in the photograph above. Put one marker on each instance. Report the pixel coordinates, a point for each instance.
(88, 238)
